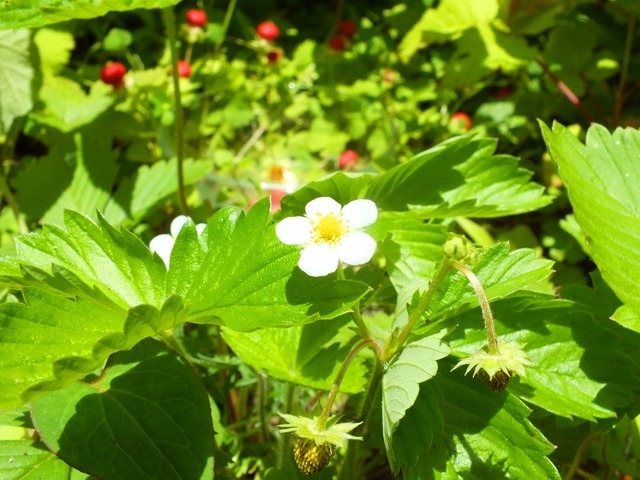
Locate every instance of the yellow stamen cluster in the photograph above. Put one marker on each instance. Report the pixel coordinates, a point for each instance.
(329, 228)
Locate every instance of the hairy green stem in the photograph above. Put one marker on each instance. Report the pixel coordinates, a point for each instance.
(169, 20)
(398, 342)
(489, 325)
(580, 453)
(326, 410)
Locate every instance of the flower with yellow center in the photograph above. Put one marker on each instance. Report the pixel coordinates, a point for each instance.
(329, 234)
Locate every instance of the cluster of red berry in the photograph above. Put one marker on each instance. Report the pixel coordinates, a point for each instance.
(346, 31)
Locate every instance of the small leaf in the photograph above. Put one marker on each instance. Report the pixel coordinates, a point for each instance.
(459, 177)
(16, 77)
(89, 425)
(416, 363)
(603, 181)
(309, 355)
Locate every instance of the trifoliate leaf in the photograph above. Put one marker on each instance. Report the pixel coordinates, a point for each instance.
(476, 433)
(459, 177)
(603, 181)
(89, 425)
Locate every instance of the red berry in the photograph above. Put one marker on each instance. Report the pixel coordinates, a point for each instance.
(184, 69)
(337, 43)
(196, 18)
(502, 92)
(461, 119)
(268, 30)
(347, 28)
(113, 74)
(389, 76)
(274, 56)
(347, 159)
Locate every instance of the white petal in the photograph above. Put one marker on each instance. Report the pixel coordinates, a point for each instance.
(360, 213)
(356, 248)
(320, 207)
(294, 230)
(200, 228)
(177, 224)
(318, 260)
(162, 245)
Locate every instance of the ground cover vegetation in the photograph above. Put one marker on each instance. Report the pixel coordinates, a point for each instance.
(334, 240)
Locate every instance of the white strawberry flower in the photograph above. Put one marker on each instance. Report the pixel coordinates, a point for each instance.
(163, 244)
(329, 234)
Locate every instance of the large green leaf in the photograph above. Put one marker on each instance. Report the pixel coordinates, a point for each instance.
(459, 428)
(603, 181)
(17, 77)
(116, 263)
(249, 279)
(78, 174)
(581, 366)
(416, 363)
(52, 341)
(26, 13)
(309, 355)
(459, 177)
(146, 417)
(29, 460)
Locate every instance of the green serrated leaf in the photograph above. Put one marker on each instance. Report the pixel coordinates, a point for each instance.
(89, 425)
(52, 340)
(29, 460)
(459, 177)
(115, 262)
(603, 181)
(481, 434)
(26, 13)
(248, 279)
(17, 76)
(581, 366)
(416, 363)
(309, 355)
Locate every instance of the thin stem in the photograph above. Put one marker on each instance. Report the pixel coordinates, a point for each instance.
(419, 310)
(285, 440)
(13, 205)
(489, 325)
(350, 465)
(580, 453)
(169, 20)
(625, 68)
(225, 23)
(326, 410)
(564, 88)
(263, 387)
(357, 318)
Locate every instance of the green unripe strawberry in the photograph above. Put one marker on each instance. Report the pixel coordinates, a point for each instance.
(311, 457)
